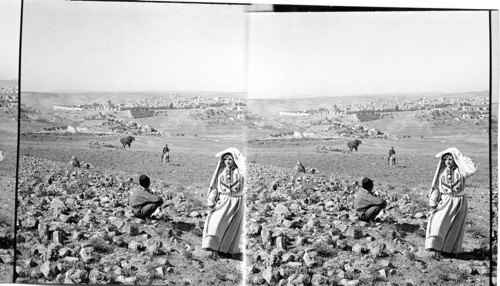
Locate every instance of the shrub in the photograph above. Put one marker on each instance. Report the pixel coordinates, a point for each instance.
(410, 255)
(156, 276)
(100, 245)
(323, 249)
(187, 254)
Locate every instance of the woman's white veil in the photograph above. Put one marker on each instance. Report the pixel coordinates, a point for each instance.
(239, 160)
(464, 164)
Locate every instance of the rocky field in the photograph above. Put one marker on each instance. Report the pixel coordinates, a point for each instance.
(302, 230)
(74, 227)
(7, 187)
(7, 205)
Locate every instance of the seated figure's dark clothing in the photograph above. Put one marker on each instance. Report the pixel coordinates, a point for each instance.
(144, 203)
(367, 205)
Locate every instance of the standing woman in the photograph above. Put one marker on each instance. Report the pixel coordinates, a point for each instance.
(224, 223)
(448, 202)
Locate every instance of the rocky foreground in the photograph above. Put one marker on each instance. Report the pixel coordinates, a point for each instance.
(302, 230)
(7, 211)
(74, 227)
(6, 252)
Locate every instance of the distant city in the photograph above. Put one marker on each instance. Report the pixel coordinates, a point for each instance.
(150, 106)
(395, 105)
(155, 103)
(9, 96)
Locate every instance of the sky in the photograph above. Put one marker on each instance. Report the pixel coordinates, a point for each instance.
(99, 46)
(10, 19)
(341, 54)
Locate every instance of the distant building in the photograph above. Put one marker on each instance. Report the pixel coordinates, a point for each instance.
(295, 114)
(72, 108)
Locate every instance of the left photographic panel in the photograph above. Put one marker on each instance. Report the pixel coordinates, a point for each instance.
(10, 19)
(126, 108)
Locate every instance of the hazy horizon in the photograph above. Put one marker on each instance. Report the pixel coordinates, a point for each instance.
(370, 94)
(469, 94)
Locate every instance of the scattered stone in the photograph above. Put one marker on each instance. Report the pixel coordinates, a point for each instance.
(466, 268)
(300, 241)
(254, 229)
(6, 258)
(318, 280)
(136, 245)
(126, 280)
(130, 229)
(30, 223)
(57, 204)
(269, 276)
(382, 273)
(281, 210)
(355, 232)
(46, 269)
(310, 258)
(96, 277)
(266, 236)
(282, 242)
(419, 215)
(86, 254)
(159, 271)
(359, 249)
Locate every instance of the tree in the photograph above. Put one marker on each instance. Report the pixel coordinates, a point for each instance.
(396, 108)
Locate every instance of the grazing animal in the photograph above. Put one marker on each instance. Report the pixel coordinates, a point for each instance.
(392, 159)
(354, 144)
(127, 141)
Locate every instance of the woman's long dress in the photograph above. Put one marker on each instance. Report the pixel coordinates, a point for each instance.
(446, 226)
(224, 224)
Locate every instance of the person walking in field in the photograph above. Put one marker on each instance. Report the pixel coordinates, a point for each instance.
(226, 206)
(392, 156)
(143, 202)
(366, 204)
(74, 162)
(300, 168)
(165, 156)
(448, 203)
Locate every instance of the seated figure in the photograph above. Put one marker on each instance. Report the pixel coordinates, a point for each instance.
(367, 205)
(143, 202)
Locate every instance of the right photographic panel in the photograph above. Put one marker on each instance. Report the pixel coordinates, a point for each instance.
(369, 152)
